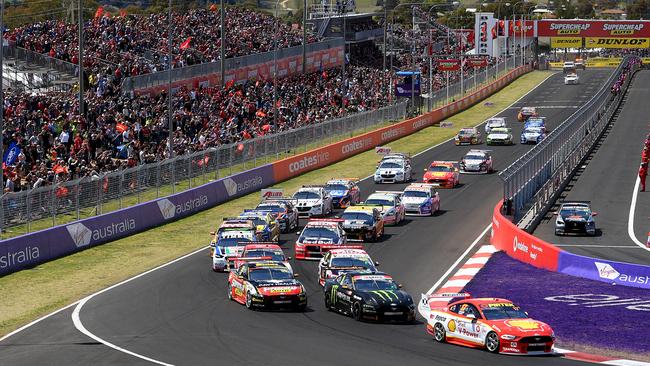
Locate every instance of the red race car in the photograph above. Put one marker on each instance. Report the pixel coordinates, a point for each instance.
(443, 174)
(318, 237)
(495, 324)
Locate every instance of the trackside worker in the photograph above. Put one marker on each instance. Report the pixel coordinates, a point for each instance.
(645, 155)
(643, 173)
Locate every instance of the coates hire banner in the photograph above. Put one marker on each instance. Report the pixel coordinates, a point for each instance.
(616, 273)
(41, 246)
(593, 28)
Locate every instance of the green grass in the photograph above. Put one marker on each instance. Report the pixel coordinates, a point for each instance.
(32, 293)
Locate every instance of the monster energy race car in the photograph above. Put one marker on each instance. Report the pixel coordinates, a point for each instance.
(369, 296)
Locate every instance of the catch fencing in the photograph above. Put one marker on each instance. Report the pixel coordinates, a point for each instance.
(532, 182)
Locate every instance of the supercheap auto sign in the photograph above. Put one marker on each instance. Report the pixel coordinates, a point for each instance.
(594, 28)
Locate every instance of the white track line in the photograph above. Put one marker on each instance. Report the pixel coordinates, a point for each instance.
(630, 219)
(78, 309)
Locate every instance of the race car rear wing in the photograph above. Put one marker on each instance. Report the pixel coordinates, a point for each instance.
(397, 193)
(326, 220)
(445, 297)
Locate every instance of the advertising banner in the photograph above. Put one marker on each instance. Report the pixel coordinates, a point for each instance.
(616, 273)
(598, 42)
(483, 26)
(404, 90)
(566, 42)
(514, 28)
(477, 61)
(593, 28)
(449, 65)
(41, 246)
(520, 245)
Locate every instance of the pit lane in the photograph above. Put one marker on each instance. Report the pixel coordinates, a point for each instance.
(608, 180)
(180, 314)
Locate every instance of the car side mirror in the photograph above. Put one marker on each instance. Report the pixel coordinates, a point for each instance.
(345, 287)
(297, 232)
(289, 258)
(525, 312)
(474, 320)
(555, 213)
(425, 170)
(471, 316)
(212, 232)
(399, 285)
(594, 214)
(376, 263)
(376, 166)
(295, 275)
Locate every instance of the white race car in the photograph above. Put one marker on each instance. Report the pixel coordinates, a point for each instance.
(533, 135)
(571, 79)
(494, 122)
(389, 204)
(500, 136)
(477, 161)
(393, 171)
(313, 201)
(421, 199)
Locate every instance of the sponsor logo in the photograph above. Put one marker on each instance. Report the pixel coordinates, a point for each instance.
(451, 325)
(308, 161)
(18, 257)
(513, 344)
(421, 123)
(523, 324)
(569, 28)
(392, 133)
(168, 209)
(517, 245)
(602, 300)
(622, 29)
(440, 318)
(595, 42)
(605, 270)
(559, 42)
(509, 349)
(232, 187)
(383, 150)
(81, 235)
(271, 193)
(356, 146)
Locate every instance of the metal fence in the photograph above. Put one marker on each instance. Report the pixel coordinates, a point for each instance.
(35, 58)
(533, 181)
(42, 207)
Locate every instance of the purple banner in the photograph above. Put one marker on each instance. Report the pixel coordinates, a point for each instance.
(616, 273)
(41, 246)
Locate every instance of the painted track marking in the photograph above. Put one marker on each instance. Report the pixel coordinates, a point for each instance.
(630, 219)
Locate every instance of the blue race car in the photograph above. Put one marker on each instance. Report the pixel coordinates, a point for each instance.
(533, 135)
(345, 192)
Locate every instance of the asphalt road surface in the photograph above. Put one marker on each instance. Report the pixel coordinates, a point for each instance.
(180, 314)
(607, 180)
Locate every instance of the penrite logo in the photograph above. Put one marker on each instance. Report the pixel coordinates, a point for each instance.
(356, 145)
(82, 235)
(232, 187)
(168, 209)
(308, 161)
(605, 270)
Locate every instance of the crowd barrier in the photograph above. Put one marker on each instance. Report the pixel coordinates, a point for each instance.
(526, 248)
(31, 249)
(600, 62)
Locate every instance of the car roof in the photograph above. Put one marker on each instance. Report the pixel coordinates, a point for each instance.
(348, 252)
(383, 195)
(261, 246)
(497, 129)
(344, 181)
(482, 301)
(361, 208)
(267, 264)
(528, 109)
(370, 275)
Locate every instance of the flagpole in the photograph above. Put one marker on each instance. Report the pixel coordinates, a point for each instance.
(81, 67)
(169, 85)
(2, 103)
(275, 67)
(222, 61)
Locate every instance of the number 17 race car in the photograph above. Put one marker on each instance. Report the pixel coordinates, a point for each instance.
(495, 324)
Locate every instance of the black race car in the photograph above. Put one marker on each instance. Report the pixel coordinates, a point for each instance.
(369, 296)
(576, 217)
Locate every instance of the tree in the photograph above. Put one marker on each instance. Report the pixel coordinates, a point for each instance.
(585, 9)
(639, 9)
(565, 10)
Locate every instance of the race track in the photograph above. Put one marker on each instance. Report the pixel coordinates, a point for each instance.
(180, 314)
(608, 181)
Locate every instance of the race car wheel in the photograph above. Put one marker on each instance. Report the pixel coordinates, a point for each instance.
(229, 292)
(492, 342)
(249, 301)
(328, 304)
(439, 333)
(356, 311)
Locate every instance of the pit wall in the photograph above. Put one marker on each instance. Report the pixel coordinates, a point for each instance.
(520, 245)
(38, 247)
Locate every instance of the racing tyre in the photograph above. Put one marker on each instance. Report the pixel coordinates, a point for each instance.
(439, 333)
(249, 301)
(229, 292)
(328, 304)
(355, 310)
(492, 342)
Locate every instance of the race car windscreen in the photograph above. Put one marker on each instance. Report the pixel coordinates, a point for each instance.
(390, 165)
(351, 262)
(503, 311)
(320, 233)
(258, 221)
(272, 208)
(270, 274)
(372, 285)
(231, 242)
(306, 195)
(336, 187)
(466, 132)
(439, 168)
(419, 194)
(474, 157)
(575, 211)
(379, 201)
(533, 130)
(358, 216)
(276, 255)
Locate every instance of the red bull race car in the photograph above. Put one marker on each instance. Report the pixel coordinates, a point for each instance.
(495, 324)
(318, 237)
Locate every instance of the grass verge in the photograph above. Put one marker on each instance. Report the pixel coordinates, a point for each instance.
(29, 294)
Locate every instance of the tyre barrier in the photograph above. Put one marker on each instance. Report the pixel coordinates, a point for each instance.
(526, 248)
(31, 249)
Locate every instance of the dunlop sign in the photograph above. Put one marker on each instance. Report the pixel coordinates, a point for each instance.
(597, 42)
(566, 42)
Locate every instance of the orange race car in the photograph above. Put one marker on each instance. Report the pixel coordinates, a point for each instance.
(492, 323)
(443, 174)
